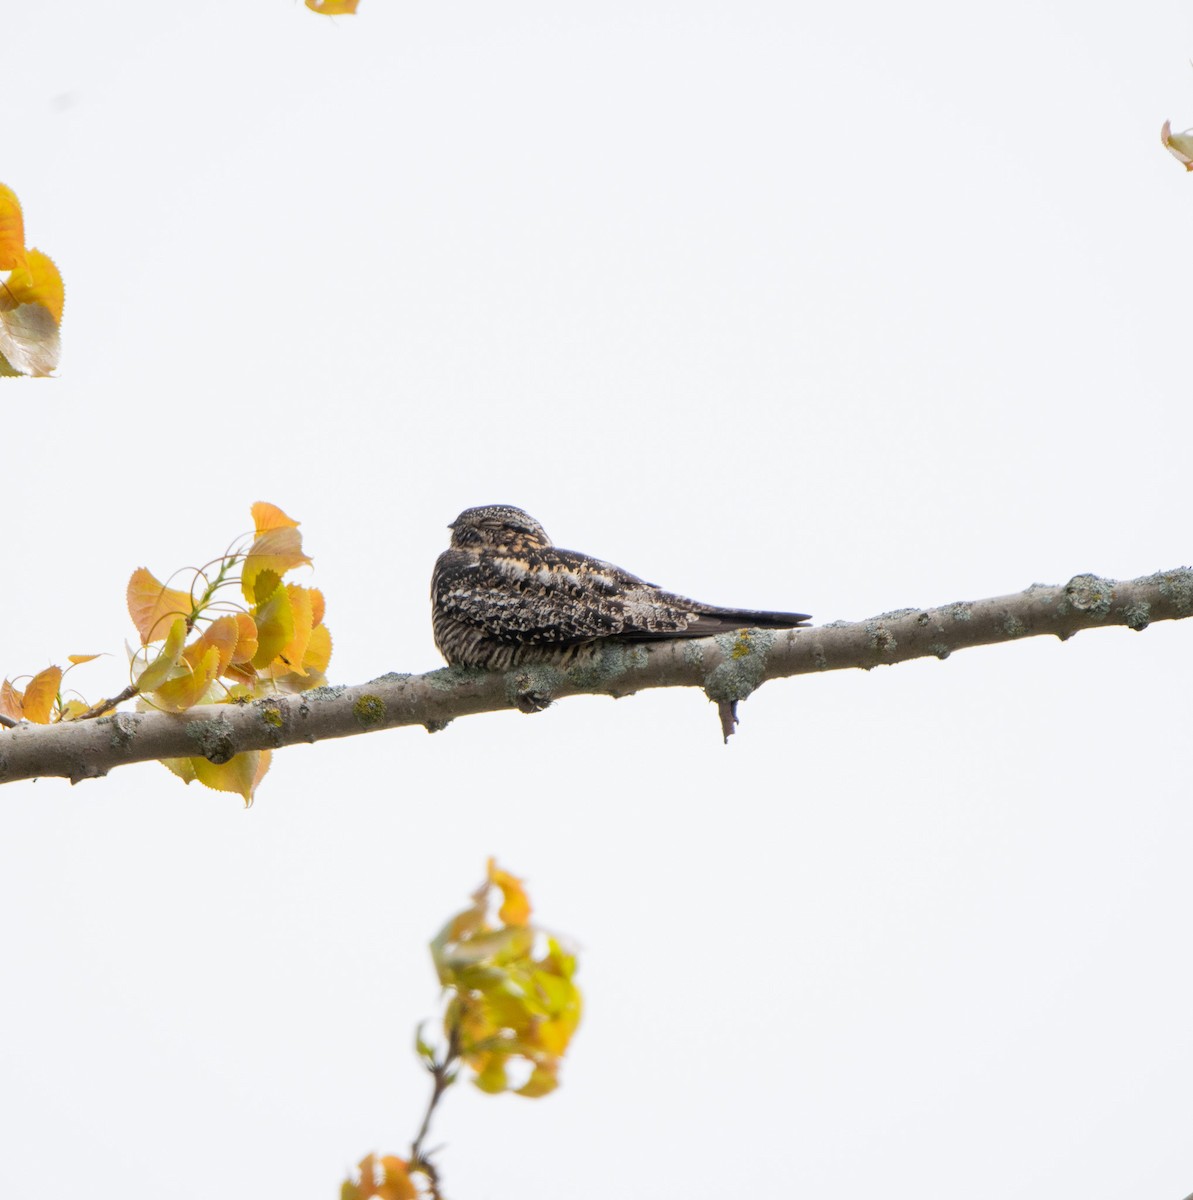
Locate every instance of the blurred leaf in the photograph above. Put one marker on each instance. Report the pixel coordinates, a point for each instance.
(333, 8)
(511, 994)
(542, 1080)
(515, 907)
(386, 1178)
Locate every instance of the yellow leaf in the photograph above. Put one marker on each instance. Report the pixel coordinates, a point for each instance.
(317, 606)
(37, 282)
(515, 907)
(186, 690)
(12, 231)
(295, 650)
(275, 627)
(491, 1077)
(318, 653)
(240, 774)
(72, 710)
(153, 606)
(170, 655)
(333, 8)
(41, 692)
(269, 516)
(543, 1079)
(76, 659)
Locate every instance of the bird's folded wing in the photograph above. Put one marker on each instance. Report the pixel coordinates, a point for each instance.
(554, 597)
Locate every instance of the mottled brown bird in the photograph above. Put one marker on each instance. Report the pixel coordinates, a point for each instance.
(503, 595)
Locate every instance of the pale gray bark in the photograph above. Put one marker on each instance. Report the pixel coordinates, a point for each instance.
(728, 667)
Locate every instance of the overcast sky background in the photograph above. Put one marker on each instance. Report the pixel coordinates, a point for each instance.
(841, 308)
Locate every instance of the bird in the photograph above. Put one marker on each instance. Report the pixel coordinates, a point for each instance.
(503, 595)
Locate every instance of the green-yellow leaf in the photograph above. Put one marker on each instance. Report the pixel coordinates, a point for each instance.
(168, 658)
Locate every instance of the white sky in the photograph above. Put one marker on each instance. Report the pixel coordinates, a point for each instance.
(842, 308)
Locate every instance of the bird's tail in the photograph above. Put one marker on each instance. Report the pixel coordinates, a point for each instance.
(723, 620)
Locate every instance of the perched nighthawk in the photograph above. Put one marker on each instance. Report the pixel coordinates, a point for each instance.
(503, 595)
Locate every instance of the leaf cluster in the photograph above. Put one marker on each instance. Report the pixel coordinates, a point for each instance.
(511, 1009)
(240, 632)
(31, 298)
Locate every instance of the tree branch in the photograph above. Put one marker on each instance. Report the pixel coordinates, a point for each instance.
(728, 667)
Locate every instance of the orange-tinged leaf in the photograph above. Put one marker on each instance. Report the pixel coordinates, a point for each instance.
(168, 658)
(11, 701)
(185, 691)
(515, 907)
(12, 230)
(76, 659)
(396, 1183)
(333, 8)
(277, 550)
(153, 606)
(41, 692)
(37, 282)
(223, 634)
(269, 516)
(275, 627)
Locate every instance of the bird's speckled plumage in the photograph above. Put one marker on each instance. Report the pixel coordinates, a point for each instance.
(503, 595)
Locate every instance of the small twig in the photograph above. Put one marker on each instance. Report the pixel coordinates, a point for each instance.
(106, 706)
(444, 1077)
(7, 722)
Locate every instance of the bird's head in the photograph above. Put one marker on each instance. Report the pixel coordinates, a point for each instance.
(497, 527)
